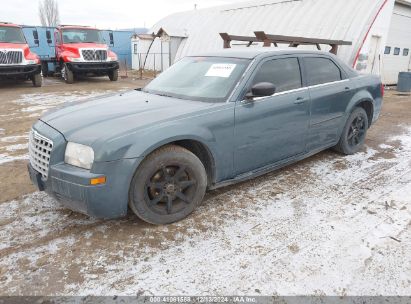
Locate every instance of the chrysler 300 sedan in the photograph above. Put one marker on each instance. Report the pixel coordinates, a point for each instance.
(208, 121)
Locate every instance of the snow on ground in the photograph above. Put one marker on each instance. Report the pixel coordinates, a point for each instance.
(13, 148)
(5, 158)
(17, 147)
(33, 106)
(14, 139)
(330, 225)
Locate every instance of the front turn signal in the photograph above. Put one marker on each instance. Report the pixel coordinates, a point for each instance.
(98, 181)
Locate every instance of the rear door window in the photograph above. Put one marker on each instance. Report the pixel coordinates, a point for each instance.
(321, 70)
(284, 73)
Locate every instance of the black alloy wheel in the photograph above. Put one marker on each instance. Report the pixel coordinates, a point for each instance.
(357, 131)
(170, 189)
(167, 186)
(354, 133)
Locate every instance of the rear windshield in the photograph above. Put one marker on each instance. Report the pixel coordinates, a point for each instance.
(11, 35)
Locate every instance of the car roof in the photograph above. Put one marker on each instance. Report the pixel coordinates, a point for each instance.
(253, 52)
(8, 24)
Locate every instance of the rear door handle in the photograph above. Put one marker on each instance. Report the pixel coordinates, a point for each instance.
(300, 100)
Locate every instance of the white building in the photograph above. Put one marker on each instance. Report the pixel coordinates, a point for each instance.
(370, 25)
(397, 52)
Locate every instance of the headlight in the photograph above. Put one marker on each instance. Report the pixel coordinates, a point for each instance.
(31, 61)
(79, 155)
(112, 58)
(74, 59)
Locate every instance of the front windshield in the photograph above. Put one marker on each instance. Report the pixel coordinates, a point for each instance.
(12, 35)
(209, 79)
(82, 36)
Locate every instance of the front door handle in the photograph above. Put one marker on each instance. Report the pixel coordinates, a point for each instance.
(300, 100)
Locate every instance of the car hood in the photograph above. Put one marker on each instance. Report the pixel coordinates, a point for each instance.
(113, 116)
(85, 46)
(16, 46)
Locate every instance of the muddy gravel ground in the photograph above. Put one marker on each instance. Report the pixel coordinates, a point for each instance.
(330, 225)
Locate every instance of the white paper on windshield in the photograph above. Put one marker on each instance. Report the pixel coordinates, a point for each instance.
(223, 70)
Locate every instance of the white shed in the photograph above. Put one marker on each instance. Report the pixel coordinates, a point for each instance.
(397, 53)
(156, 51)
(365, 23)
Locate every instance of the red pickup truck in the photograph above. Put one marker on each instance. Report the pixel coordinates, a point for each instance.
(16, 59)
(81, 50)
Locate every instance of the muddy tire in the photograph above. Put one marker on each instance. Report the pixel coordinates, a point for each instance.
(168, 186)
(113, 75)
(354, 133)
(37, 80)
(67, 74)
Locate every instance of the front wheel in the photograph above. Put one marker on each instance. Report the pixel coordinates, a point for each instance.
(67, 74)
(168, 186)
(37, 80)
(113, 75)
(354, 133)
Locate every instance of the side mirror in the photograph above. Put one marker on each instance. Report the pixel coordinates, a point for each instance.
(262, 89)
(36, 37)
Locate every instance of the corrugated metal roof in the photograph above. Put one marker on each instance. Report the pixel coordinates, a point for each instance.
(338, 19)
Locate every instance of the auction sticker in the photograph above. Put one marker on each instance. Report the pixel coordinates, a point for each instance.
(223, 70)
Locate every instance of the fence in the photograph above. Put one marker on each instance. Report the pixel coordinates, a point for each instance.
(151, 64)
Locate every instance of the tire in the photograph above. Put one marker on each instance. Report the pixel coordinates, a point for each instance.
(67, 74)
(37, 80)
(113, 75)
(354, 133)
(168, 186)
(45, 69)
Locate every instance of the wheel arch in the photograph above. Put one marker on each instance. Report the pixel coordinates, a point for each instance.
(363, 99)
(368, 105)
(203, 153)
(195, 146)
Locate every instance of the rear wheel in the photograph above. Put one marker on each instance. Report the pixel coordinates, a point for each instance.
(168, 186)
(354, 133)
(67, 74)
(37, 80)
(113, 75)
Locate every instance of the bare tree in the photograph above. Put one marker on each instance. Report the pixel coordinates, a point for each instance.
(49, 13)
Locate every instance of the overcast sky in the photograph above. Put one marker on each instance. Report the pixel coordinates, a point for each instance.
(104, 14)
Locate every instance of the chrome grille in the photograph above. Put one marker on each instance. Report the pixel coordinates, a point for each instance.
(94, 55)
(11, 57)
(39, 151)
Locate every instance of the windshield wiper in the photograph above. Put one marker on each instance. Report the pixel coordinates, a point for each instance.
(158, 94)
(163, 95)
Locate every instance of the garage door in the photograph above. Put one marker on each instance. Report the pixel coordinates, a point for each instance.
(397, 55)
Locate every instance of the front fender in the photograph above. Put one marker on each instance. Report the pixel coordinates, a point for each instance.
(66, 54)
(142, 143)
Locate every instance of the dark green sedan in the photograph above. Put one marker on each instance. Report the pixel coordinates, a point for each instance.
(208, 121)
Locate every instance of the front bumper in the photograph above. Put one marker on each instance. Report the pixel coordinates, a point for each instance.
(93, 67)
(71, 185)
(19, 70)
